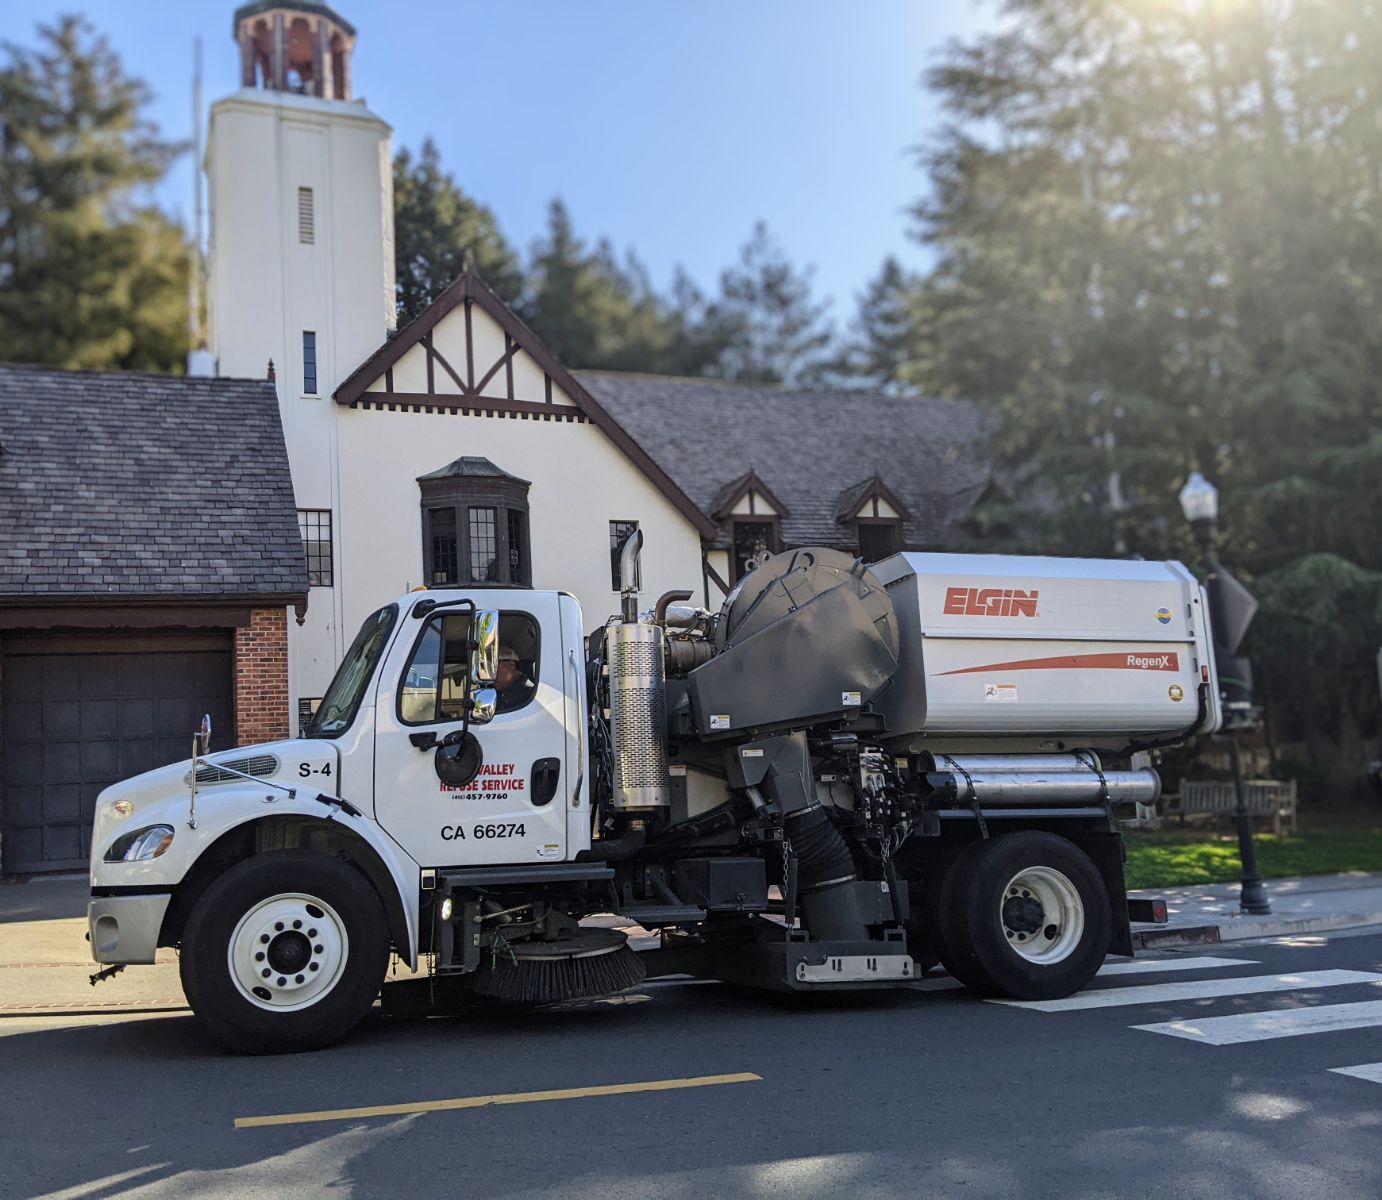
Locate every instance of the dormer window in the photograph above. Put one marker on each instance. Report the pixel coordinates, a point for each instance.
(879, 539)
(754, 516)
(876, 516)
(752, 539)
(474, 526)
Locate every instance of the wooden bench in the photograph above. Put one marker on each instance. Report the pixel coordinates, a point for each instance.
(1266, 798)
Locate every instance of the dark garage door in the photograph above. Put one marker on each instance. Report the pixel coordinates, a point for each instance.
(79, 713)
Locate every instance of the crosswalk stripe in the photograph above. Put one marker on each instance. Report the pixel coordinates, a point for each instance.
(1196, 989)
(1141, 966)
(1154, 966)
(1277, 1023)
(1372, 1072)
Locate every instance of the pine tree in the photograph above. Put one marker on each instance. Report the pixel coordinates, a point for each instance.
(438, 230)
(778, 332)
(594, 310)
(882, 344)
(91, 276)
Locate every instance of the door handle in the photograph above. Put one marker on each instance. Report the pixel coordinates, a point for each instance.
(579, 726)
(543, 783)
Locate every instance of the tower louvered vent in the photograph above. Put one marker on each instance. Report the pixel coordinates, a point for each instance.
(307, 218)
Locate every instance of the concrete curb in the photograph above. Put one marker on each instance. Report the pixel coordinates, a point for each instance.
(1236, 929)
(1239, 928)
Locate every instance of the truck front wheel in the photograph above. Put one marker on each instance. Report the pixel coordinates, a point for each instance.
(1032, 920)
(284, 952)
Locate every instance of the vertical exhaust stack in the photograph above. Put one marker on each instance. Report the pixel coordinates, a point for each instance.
(637, 697)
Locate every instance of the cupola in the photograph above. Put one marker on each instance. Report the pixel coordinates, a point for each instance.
(303, 48)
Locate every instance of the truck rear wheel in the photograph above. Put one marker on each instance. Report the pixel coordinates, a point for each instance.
(1030, 921)
(284, 952)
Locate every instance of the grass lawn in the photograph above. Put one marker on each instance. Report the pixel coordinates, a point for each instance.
(1161, 860)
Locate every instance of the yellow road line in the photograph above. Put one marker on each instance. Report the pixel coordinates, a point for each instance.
(423, 1106)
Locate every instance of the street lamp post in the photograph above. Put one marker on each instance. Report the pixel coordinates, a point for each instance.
(1199, 501)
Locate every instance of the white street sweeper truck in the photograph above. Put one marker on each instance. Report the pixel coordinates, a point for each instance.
(843, 777)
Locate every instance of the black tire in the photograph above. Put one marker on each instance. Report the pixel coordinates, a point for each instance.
(985, 949)
(946, 922)
(331, 893)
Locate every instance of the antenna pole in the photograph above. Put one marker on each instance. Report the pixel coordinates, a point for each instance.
(197, 285)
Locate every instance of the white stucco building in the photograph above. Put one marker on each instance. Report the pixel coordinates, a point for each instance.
(458, 449)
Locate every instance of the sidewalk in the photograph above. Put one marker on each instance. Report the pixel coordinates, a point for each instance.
(1313, 904)
(45, 961)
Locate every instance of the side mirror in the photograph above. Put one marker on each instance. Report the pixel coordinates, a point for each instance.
(484, 659)
(203, 737)
(482, 705)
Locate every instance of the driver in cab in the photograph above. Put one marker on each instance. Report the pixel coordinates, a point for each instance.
(515, 688)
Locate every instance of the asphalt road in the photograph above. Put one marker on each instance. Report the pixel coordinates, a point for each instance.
(927, 1092)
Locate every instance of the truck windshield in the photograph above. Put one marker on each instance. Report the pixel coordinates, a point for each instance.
(342, 700)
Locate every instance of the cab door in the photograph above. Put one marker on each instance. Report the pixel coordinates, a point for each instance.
(515, 808)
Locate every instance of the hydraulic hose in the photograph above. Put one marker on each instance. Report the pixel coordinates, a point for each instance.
(822, 857)
(617, 849)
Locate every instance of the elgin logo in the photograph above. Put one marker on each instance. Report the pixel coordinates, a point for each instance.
(990, 602)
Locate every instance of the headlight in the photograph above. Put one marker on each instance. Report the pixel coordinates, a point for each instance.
(141, 845)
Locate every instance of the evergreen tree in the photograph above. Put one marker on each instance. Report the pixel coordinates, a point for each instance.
(1157, 230)
(882, 343)
(594, 311)
(90, 275)
(777, 332)
(438, 230)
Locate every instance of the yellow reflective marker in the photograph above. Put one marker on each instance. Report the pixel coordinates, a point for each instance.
(425, 1106)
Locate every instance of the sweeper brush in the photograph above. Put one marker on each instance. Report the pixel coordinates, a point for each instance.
(596, 962)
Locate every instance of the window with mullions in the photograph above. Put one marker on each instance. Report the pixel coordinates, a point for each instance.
(752, 539)
(484, 561)
(315, 526)
(445, 560)
(619, 533)
(474, 526)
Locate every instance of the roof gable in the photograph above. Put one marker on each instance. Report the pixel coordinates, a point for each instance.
(870, 498)
(469, 351)
(747, 486)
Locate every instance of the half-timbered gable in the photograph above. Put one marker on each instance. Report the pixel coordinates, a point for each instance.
(469, 383)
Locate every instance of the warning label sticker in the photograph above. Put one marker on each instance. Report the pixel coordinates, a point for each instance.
(1000, 693)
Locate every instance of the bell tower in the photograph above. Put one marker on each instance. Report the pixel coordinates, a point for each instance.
(300, 267)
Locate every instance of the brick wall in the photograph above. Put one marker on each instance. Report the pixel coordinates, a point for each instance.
(261, 677)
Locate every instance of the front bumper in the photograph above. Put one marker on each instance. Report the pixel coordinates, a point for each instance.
(124, 929)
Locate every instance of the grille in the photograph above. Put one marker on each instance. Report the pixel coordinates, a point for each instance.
(638, 716)
(258, 765)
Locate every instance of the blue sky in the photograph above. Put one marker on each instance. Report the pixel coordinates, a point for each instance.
(668, 127)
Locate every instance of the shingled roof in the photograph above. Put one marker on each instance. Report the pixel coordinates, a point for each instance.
(808, 448)
(123, 485)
